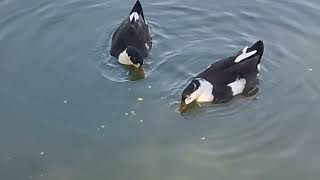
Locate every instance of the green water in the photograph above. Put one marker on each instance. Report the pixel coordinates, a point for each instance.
(68, 111)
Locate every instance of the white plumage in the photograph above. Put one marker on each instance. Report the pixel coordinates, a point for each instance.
(237, 86)
(244, 55)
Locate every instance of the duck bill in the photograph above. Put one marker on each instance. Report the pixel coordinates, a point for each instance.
(138, 67)
(182, 107)
(141, 68)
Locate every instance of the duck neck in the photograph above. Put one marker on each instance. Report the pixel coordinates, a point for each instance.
(124, 58)
(204, 93)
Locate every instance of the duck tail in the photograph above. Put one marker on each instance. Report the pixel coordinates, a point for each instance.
(255, 50)
(138, 9)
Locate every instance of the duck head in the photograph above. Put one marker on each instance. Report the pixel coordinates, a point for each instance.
(131, 56)
(199, 90)
(189, 94)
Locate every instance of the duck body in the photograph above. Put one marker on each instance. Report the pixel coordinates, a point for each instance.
(131, 41)
(226, 78)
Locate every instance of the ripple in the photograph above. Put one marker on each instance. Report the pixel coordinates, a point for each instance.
(109, 66)
(273, 126)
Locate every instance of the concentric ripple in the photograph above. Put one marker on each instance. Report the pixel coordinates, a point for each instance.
(69, 109)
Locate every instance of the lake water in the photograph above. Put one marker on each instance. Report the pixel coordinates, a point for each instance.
(68, 111)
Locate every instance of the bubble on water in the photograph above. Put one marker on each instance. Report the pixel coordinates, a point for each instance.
(133, 113)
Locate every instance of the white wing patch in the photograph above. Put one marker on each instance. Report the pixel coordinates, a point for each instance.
(238, 86)
(135, 16)
(244, 54)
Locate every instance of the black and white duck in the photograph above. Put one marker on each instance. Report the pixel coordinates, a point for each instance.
(226, 78)
(131, 41)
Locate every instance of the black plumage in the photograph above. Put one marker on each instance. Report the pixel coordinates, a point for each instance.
(132, 32)
(226, 71)
(229, 70)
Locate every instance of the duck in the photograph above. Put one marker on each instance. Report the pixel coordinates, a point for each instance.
(131, 41)
(226, 78)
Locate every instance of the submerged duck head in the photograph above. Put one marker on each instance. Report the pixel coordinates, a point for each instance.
(190, 94)
(131, 56)
(198, 90)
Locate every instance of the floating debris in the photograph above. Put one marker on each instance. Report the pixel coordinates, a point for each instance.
(65, 101)
(141, 121)
(203, 138)
(42, 153)
(126, 114)
(133, 113)
(140, 99)
(149, 87)
(310, 69)
(102, 126)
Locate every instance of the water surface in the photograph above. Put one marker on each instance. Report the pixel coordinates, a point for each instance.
(69, 111)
